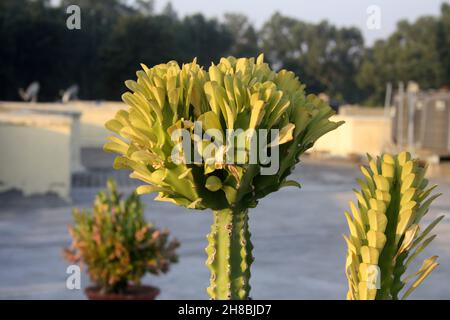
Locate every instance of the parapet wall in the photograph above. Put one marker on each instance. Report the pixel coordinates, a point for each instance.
(35, 153)
(41, 142)
(93, 115)
(357, 136)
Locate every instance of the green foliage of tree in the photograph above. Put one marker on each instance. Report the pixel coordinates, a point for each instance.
(245, 37)
(152, 37)
(326, 57)
(30, 46)
(206, 39)
(116, 35)
(416, 51)
(443, 39)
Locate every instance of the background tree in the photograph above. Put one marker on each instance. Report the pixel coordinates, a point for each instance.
(416, 51)
(30, 47)
(244, 35)
(135, 40)
(169, 11)
(326, 58)
(117, 35)
(443, 42)
(206, 39)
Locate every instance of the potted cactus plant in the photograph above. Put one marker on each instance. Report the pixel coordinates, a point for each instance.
(244, 125)
(119, 247)
(385, 234)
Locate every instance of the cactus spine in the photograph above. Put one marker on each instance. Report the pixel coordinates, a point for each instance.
(385, 236)
(241, 95)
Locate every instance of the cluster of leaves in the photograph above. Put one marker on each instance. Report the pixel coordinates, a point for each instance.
(116, 244)
(237, 94)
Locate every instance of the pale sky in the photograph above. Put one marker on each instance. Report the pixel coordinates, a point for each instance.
(338, 12)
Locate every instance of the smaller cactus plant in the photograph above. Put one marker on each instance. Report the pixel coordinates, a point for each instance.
(385, 236)
(116, 244)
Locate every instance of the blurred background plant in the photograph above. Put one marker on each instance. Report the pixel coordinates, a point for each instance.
(116, 244)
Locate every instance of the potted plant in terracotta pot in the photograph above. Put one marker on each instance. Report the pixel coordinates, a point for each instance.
(119, 247)
(386, 235)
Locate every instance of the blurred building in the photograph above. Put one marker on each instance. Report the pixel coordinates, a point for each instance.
(422, 120)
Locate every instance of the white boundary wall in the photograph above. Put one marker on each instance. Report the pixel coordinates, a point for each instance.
(89, 129)
(359, 135)
(35, 153)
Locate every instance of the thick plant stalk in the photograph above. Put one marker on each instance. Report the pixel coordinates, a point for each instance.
(385, 235)
(229, 253)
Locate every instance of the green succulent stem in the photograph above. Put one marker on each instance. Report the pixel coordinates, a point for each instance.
(385, 232)
(229, 253)
(387, 255)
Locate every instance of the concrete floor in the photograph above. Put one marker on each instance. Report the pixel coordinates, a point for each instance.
(297, 234)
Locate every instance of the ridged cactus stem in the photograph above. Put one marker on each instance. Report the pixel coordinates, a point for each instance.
(229, 255)
(385, 233)
(388, 253)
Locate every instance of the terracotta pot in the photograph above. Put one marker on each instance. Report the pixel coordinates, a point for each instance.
(132, 293)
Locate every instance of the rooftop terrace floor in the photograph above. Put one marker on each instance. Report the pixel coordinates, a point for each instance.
(299, 250)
